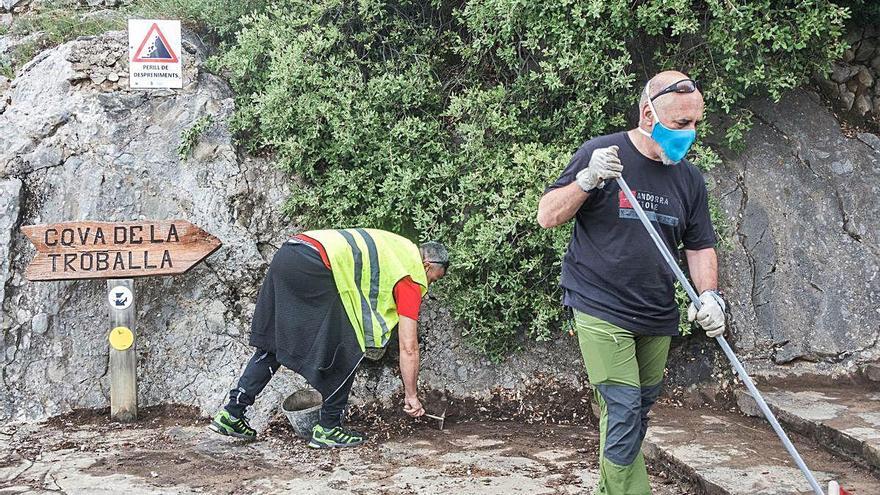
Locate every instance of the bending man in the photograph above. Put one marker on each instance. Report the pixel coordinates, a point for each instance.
(328, 296)
(621, 291)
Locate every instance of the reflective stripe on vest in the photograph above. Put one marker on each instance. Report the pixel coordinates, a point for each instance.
(366, 265)
(367, 310)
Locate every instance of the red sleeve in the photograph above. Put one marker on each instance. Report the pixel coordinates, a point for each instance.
(408, 296)
(317, 245)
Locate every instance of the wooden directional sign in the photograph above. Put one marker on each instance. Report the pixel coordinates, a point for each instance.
(78, 250)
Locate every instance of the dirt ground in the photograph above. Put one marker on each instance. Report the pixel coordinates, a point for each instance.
(170, 451)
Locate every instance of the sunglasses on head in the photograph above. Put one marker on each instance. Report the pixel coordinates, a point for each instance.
(444, 264)
(683, 86)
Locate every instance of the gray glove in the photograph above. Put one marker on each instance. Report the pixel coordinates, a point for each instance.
(604, 165)
(710, 317)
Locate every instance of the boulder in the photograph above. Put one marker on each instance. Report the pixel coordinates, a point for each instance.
(847, 98)
(866, 79)
(862, 104)
(842, 72)
(871, 140)
(866, 49)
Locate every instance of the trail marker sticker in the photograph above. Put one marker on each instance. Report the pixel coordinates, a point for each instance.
(121, 338)
(120, 297)
(154, 51)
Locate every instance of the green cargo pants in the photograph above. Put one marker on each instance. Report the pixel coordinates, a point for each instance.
(626, 372)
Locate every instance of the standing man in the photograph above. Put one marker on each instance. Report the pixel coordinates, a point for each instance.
(328, 295)
(614, 279)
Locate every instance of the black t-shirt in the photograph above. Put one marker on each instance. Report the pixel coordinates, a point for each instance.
(612, 270)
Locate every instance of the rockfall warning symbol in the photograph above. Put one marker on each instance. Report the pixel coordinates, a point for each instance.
(155, 48)
(154, 54)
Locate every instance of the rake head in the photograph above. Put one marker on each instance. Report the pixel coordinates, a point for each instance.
(441, 418)
(835, 489)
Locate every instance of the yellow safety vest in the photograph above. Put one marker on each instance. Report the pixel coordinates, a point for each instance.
(366, 265)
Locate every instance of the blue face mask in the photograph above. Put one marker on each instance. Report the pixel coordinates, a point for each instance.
(674, 142)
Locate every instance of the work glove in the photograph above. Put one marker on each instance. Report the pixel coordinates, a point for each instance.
(604, 165)
(710, 317)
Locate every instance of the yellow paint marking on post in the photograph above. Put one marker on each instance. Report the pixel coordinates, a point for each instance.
(121, 338)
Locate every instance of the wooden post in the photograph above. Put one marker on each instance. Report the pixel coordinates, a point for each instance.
(123, 363)
(118, 252)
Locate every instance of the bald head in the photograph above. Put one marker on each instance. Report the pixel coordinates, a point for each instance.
(676, 110)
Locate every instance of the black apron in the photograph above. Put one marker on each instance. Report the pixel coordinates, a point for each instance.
(300, 318)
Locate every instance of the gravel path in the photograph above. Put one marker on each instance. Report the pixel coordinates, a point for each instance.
(169, 451)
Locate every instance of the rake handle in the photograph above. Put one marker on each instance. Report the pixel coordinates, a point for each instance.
(737, 365)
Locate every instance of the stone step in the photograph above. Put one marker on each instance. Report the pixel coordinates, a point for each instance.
(844, 419)
(725, 453)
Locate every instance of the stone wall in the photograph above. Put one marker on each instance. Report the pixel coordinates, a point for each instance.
(854, 83)
(19, 6)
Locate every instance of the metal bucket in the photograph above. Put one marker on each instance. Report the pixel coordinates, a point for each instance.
(302, 409)
(375, 353)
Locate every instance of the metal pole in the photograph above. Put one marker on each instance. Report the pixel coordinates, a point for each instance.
(741, 371)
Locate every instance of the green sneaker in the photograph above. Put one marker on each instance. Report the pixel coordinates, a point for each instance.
(335, 437)
(225, 424)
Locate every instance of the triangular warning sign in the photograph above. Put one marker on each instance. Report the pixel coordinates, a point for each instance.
(155, 48)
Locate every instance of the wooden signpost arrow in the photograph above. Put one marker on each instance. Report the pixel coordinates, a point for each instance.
(78, 250)
(118, 251)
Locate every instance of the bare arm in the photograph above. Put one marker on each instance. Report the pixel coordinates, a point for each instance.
(703, 266)
(409, 365)
(560, 205)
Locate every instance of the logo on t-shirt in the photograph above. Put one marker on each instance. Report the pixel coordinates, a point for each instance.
(652, 203)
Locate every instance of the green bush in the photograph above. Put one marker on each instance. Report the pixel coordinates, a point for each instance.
(218, 18)
(866, 13)
(190, 137)
(445, 120)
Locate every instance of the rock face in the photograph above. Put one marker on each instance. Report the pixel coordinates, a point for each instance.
(10, 198)
(803, 271)
(76, 144)
(88, 149)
